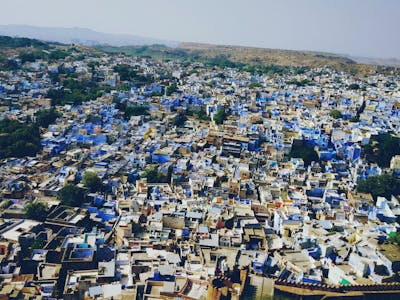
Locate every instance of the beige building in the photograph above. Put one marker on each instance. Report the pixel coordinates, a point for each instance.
(395, 162)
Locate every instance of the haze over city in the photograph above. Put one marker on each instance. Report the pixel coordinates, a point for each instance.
(356, 27)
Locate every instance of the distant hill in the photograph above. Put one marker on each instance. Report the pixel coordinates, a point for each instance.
(249, 58)
(266, 56)
(255, 60)
(10, 42)
(76, 35)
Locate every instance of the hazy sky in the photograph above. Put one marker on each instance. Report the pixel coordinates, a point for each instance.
(356, 27)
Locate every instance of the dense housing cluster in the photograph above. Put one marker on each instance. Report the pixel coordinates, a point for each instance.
(132, 178)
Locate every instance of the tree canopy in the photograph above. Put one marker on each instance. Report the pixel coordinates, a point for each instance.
(74, 92)
(383, 185)
(125, 72)
(255, 85)
(71, 195)
(303, 82)
(17, 42)
(36, 211)
(131, 110)
(199, 113)
(45, 117)
(171, 89)
(265, 69)
(354, 86)
(382, 148)
(336, 114)
(136, 110)
(220, 116)
(154, 176)
(179, 120)
(306, 152)
(394, 238)
(18, 139)
(133, 74)
(222, 61)
(93, 182)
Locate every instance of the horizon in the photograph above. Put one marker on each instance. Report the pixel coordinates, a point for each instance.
(330, 26)
(394, 59)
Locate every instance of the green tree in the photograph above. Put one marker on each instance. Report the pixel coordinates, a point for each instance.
(17, 42)
(18, 139)
(199, 113)
(306, 152)
(381, 149)
(36, 244)
(71, 195)
(382, 185)
(93, 182)
(136, 110)
(354, 86)
(10, 65)
(125, 72)
(27, 57)
(303, 82)
(336, 114)
(171, 89)
(92, 65)
(74, 91)
(354, 119)
(45, 117)
(255, 85)
(394, 238)
(129, 73)
(179, 120)
(111, 139)
(123, 87)
(223, 61)
(202, 114)
(36, 211)
(130, 110)
(154, 176)
(58, 54)
(220, 116)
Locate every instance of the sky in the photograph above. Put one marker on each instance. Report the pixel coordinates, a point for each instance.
(368, 28)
